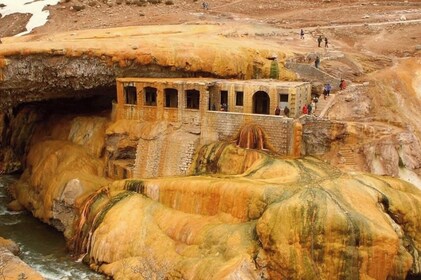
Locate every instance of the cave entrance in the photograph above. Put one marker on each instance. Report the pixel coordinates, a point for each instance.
(171, 97)
(261, 103)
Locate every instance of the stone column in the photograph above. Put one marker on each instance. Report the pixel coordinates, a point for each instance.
(160, 99)
(204, 99)
(181, 101)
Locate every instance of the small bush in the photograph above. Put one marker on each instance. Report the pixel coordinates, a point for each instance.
(155, 1)
(169, 2)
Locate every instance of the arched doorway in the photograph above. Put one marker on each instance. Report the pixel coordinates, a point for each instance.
(261, 103)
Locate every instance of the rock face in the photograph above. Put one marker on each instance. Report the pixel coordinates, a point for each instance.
(242, 214)
(54, 66)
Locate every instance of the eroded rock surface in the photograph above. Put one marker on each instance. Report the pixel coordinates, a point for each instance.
(241, 214)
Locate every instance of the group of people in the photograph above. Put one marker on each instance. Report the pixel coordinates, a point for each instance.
(310, 108)
(320, 40)
(278, 111)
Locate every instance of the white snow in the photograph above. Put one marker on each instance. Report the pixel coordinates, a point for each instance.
(35, 7)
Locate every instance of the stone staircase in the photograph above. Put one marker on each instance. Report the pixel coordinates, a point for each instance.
(349, 159)
(308, 72)
(324, 104)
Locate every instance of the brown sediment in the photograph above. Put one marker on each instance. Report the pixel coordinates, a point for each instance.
(252, 136)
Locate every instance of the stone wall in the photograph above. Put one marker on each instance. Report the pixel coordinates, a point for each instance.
(223, 126)
(167, 154)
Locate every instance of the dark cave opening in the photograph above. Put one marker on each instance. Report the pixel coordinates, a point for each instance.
(18, 124)
(89, 101)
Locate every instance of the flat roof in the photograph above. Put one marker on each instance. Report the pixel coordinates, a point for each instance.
(211, 81)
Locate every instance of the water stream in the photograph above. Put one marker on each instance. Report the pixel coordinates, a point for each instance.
(42, 247)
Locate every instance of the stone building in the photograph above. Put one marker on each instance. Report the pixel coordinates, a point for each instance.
(208, 110)
(177, 99)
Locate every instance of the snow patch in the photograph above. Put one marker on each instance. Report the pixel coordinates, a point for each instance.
(36, 8)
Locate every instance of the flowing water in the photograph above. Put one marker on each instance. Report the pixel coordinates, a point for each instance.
(42, 247)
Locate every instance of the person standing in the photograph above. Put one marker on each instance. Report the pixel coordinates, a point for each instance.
(286, 111)
(317, 62)
(319, 40)
(302, 34)
(305, 109)
(328, 89)
(309, 108)
(313, 105)
(277, 111)
(326, 42)
(342, 85)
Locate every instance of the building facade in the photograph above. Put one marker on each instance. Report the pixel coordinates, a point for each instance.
(214, 109)
(175, 100)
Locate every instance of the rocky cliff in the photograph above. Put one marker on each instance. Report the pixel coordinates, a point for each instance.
(85, 63)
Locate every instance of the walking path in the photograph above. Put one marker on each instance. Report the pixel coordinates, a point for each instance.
(324, 104)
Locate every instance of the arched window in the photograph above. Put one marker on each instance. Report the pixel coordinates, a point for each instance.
(261, 103)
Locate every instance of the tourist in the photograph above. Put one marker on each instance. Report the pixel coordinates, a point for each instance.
(342, 85)
(309, 109)
(302, 34)
(305, 109)
(317, 62)
(325, 91)
(277, 111)
(326, 42)
(286, 111)
(328, 89)
(313, 105)
(319, 40)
